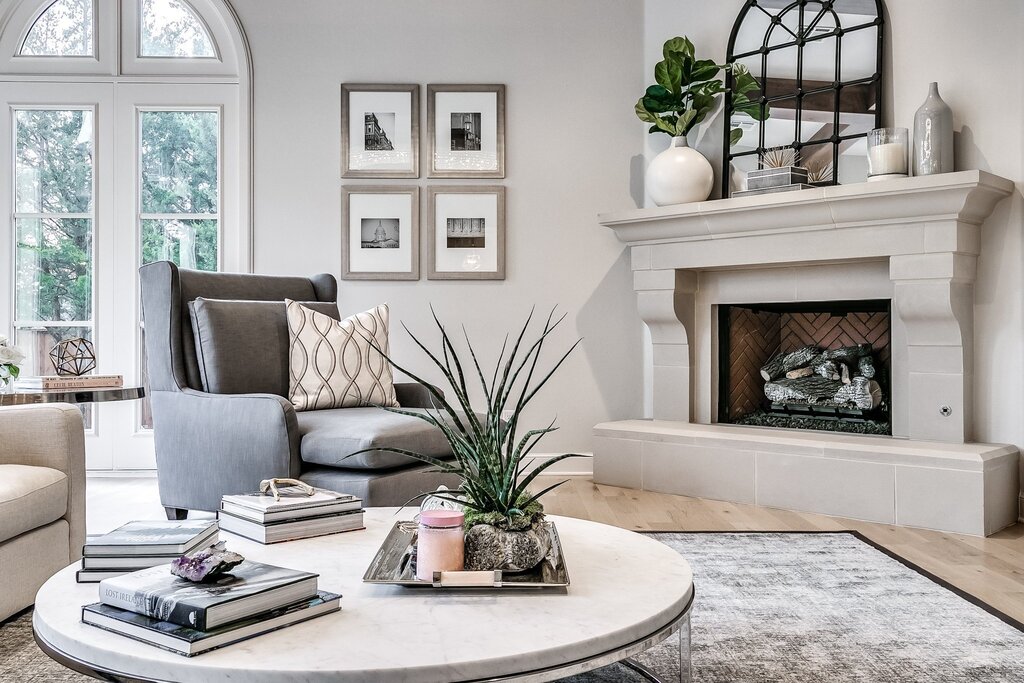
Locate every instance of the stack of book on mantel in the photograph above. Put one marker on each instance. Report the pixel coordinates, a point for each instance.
(295, 515)
(138, 545)
(53, 382)
(156, 607)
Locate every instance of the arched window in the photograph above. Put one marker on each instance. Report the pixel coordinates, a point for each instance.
(81, 214)
(64, 29)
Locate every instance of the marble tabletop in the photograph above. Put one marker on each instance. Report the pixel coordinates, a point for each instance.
(625, 587)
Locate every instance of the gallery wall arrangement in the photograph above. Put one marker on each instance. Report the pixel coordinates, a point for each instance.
(380, 140)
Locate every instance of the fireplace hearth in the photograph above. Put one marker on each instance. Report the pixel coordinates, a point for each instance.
(806, 365)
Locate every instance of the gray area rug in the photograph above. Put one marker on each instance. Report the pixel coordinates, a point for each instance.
(779, 607)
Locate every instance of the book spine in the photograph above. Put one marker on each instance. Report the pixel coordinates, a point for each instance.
(174, 611)
(74, 384)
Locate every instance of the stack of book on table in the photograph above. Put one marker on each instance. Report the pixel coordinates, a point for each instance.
(48, 382)
(295, 515)
(138, 545)
(156, 607)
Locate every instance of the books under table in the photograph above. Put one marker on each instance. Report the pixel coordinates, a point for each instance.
(139, 545)
(71, 382)
(290, 529)
(189, 641)
(248, 589)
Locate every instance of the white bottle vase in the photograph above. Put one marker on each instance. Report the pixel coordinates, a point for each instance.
(679, 175)
(933, 135)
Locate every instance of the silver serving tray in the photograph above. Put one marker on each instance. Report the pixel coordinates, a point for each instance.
(393, 565)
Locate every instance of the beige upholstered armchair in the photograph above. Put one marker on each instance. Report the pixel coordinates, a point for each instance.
(42, 498)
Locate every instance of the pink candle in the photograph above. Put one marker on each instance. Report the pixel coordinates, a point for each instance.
(439, 547)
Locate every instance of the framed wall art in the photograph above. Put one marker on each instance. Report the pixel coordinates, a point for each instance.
(380, 234)
(380, 135)
(467, 233)
(466, 125)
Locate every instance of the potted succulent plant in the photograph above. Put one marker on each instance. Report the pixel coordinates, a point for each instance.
(504, 518)
(685, 91)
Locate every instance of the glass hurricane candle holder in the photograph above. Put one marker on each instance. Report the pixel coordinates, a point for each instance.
(888, 153)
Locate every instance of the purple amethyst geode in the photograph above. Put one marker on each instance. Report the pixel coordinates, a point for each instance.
(205, 564)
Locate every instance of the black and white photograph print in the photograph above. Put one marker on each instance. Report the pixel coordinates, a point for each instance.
(380, 233)
(379, 129)
(465, 131)
(467, 233)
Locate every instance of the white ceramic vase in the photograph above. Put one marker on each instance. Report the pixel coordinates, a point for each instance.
(679, 175)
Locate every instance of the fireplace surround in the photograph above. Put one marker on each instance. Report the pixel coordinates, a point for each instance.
(913, 242)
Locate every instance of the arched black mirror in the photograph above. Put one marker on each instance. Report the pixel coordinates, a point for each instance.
(819, 63)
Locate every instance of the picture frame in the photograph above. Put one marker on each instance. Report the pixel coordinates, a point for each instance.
(466, 126)
(466, 238)
(380, 232)
(380, 130)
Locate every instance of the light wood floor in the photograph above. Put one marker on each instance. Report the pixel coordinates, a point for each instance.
(990, 568)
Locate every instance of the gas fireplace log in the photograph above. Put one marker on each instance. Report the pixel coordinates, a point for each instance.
(773, 368)
(826, 369)
(861, 392)
(803, 356)
(866, 366)
(844, 371)
(799, 372)
(848, 354)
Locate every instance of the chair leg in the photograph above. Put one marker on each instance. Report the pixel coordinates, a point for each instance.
(176, 513)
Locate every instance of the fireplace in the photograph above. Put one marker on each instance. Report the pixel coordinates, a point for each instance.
(809, 365)
(891, 265)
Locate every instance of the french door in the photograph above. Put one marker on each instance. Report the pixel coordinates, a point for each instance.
(103, 178)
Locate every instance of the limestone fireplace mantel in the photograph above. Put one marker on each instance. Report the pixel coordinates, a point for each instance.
(915, 241)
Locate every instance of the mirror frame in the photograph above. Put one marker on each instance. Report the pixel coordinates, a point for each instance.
(836, 86)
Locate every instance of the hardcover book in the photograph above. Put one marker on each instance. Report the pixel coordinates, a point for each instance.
(156, 537)
(291, 529)
(292, 499)
(250, 588)
(71, 382)
(189, 641)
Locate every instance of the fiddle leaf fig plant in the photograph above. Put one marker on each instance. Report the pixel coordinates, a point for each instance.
(686, 90)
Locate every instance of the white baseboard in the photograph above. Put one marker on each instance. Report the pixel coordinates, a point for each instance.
(121, 474)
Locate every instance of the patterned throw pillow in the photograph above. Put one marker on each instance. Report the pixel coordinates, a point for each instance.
(332, 364)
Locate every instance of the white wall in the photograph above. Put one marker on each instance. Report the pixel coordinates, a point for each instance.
(572, 71)
(974, 51)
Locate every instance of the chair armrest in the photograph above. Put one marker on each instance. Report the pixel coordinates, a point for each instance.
(414, 395)
(208, 445)
(50, 435)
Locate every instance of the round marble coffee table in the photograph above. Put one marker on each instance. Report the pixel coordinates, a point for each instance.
(627, 593)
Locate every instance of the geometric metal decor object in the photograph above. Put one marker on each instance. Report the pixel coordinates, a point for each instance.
(73, 357)
(818, 64)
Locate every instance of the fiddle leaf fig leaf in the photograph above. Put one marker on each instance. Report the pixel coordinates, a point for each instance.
(679, 47)
(703, 69)
(686, 122)
(734, 136)
(642, 113)
(668, 73)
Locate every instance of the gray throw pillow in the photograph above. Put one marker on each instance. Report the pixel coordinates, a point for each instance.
(242, 346)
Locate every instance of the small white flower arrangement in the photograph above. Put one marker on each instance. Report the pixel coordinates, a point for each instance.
(10, 360)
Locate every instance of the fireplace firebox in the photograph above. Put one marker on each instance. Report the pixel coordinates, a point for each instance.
(821, 365)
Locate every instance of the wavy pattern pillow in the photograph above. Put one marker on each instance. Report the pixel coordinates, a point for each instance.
(332, 364)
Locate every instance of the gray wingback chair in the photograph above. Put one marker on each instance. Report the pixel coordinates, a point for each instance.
(217, 355)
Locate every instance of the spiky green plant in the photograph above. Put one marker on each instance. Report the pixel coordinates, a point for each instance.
(489, 455)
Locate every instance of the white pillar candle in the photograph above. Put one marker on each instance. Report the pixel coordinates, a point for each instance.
(890, 157)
